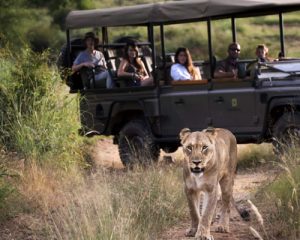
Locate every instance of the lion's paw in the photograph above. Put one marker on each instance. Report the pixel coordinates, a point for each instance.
(205, 237)
(191, 232)
(202, 234)
(222, 229)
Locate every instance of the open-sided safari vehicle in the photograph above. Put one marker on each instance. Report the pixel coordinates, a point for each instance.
(144, 120)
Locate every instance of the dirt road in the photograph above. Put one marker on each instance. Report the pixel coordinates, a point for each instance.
(246, 183)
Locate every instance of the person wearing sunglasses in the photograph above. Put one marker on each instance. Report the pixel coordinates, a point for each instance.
(229, 67)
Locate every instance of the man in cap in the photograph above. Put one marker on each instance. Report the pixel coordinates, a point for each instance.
(93, 59)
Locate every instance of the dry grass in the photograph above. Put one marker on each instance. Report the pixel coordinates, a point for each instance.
(280, 198)
(249, 155)
(254, 155)
(111, 204)
(41, 186)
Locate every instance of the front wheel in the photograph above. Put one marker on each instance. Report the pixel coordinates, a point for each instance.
(136, 144)
(170, 148)
(286, 132)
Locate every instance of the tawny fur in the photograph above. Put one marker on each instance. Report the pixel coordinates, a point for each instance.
(214, 152)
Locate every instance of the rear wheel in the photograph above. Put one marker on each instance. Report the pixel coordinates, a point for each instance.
(286, 132)
(136, 144)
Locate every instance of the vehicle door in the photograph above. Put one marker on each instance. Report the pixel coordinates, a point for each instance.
(232, 105)
(183, 105)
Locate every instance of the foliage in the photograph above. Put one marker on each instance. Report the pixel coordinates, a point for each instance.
(35, 22)
(59, 9)
(41, 24)
(5, 189)
(36, 114)
(283, 198)
(13, 29)
(7, 192)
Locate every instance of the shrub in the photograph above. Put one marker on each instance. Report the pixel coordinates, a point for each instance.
(5, 189)
(6, 193)
(37, 117)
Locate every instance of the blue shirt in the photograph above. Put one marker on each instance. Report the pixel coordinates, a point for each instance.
(97, 58)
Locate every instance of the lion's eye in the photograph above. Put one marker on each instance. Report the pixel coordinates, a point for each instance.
(204, 148)
(189, 149)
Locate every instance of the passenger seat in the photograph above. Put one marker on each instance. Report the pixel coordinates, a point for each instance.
(111, 59)
(147, 60)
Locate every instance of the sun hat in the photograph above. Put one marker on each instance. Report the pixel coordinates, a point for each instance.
(90, 35)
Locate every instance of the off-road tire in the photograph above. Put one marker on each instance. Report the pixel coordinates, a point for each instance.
(170, 149)
(136, 144)
(286, 132)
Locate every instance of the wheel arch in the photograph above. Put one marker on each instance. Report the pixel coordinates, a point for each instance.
(120, 119)
(279, 106)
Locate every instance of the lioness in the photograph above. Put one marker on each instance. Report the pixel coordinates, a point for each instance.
(210, 159)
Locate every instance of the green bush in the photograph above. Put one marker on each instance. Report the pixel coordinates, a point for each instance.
(37, 115)
(6, 192)
(5, 189)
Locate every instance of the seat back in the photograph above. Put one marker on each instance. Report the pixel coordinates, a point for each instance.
(147, 60)
(110, 57)
(206, 69)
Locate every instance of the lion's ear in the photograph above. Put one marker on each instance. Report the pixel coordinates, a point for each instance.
(184, 133)
(210, 130)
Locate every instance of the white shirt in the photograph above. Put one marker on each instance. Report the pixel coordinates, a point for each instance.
(179, 72)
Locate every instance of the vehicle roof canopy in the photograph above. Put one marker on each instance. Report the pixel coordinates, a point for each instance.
(176, 12)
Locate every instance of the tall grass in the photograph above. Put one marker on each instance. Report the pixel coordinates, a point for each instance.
(111, 205)
(254, 155)
(9, 197)
(5, 189)
(38, 122)
(37, 117)
(283, 199)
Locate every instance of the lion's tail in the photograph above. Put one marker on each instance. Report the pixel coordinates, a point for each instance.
(243, 212)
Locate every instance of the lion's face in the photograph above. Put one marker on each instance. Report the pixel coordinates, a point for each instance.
(198, 149)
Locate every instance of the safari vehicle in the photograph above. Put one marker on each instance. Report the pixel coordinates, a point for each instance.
(144, 120)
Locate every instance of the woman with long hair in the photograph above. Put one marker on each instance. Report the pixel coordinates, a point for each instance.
(132, 67)
(183, 69)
